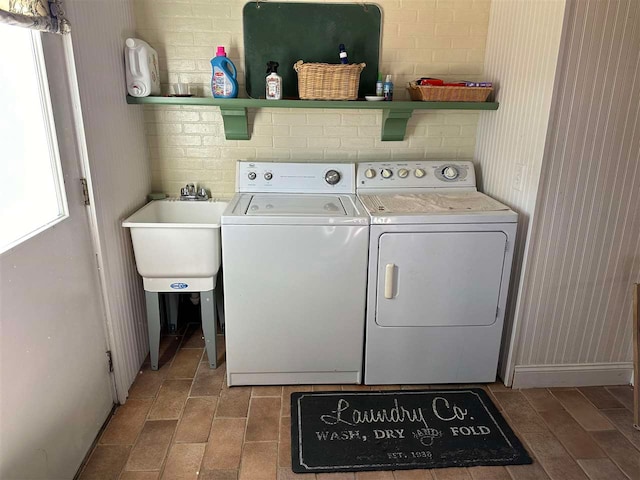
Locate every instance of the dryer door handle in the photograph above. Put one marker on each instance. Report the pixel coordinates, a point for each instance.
(388, 280)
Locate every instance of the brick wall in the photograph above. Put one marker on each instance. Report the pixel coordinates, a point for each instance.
(441, 38)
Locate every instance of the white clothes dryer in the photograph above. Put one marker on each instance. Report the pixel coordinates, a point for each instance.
(294, 246)
(440, 255)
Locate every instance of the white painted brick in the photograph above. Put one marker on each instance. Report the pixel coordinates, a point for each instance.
(162, 128)
(400, 42)
(212, 140)
(443, 130)
(275, 154)
(324, 119)
(458, 142)
(351, 119)
(211, 116)
(306, 131)
(181, 65)
(408, 154)
(324, 142)
(340, 155)
(450, 55)
(470, 118)
(208, 128)
(468, 42)
(404, 15)
(374, 154)
(156, 151)
(261, 140)
(176, 38)
(466, 69)
(204, 152)
(357, 142)
(271, 130)
(307, 154)
(452, 30)
(442, 152)
(373, 132)
(180, 140)
(180, 116)
(340, 131)
(238, 153)
(289, 142)
(416, 141)
(289, 119)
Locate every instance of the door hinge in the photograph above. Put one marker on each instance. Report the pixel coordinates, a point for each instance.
(85, 191)
(110, 360)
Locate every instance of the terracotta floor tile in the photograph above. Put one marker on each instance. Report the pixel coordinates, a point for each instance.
(284, 443)
(572, 436)
(196, 420)
(286, 396)
(287, 474)
(544, 445)
(168, 347)
(600, 397)
(266, 391)
(106, 462)
(541, 399)
(582, 410)
(140, 476)
(224, 447)
(185, 363)
(601, 469)
(450, 474)
(621, 451)
(171, 399)
(336, 476)
(147, 382)
(234, 402)
(498, 386)
(412, 475)
(624, 394)
(208, 381)
(183, 461)
(259, 461)
(327, 388)
(374, 476)
(218, 475)
(126, 422)
(356, 388)
(149, 451)
(264, 419)
(623, 420)
(422, 387)
(489, 473)
(527, 472)
(193, 337)
(383, 388)
(564, 469)
(521, 413)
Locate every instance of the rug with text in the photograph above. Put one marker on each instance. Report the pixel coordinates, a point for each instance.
(399, 430)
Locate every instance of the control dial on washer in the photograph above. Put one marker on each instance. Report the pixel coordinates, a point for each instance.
(268, 176)
(252, 175)
(370, 173)
(403, 173)
(419, 173)
(386, 173)
(450, 172)
(332, 177)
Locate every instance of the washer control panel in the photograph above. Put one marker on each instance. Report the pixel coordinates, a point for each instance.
(280, 177)
(416, 174)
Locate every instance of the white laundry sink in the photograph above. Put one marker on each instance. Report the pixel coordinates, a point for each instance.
(177, 244)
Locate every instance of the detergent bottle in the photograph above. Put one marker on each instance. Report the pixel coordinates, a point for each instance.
(141, 62)
(223, 80)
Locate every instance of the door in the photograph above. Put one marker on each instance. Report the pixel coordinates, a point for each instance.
(54, 375)
(439, 279)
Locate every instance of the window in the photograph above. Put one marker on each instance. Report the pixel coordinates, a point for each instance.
(32, 196)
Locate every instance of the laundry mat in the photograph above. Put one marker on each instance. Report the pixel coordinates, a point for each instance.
(399, 430)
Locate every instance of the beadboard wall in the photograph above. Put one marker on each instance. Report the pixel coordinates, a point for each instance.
(439, 38)
(510, 146)
(585, 241)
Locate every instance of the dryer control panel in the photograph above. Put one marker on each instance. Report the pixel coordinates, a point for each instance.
(428, 174)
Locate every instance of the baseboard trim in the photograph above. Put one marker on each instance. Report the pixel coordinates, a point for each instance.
(572, 375)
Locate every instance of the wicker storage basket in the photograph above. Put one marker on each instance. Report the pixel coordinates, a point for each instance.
(326, 81)
(428, 93)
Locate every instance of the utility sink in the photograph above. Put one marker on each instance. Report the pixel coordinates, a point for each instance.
(177, 244)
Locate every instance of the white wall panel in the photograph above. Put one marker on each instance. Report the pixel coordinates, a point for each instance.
(576, 308)
(522, 53)
(119, 169)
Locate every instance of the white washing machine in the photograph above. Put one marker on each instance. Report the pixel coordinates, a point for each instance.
(440, 256)
(294, 246)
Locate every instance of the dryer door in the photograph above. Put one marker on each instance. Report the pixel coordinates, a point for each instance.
(439, 278)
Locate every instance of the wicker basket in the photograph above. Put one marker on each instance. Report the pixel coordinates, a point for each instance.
(326, 81)
(428, 93)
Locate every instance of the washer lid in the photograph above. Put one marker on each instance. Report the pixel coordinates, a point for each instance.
(315, 205)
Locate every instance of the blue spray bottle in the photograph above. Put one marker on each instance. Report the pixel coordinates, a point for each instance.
(223, 81)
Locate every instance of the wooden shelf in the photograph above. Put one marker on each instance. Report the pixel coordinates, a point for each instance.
(395, 115)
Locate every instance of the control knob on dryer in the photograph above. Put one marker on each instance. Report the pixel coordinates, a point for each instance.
(370, 173)
(268, 176)
(419, 173)
(403, 173)
(386, 173)
(251, 175)
(332, 177)
(450, 172)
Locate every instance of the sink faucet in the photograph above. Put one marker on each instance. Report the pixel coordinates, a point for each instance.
(190, 192)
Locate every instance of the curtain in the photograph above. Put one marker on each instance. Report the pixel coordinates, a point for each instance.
(45, 15)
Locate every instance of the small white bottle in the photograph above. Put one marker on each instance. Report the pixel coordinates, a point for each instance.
(273, 82)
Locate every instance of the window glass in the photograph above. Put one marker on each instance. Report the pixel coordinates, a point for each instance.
(31, 188)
